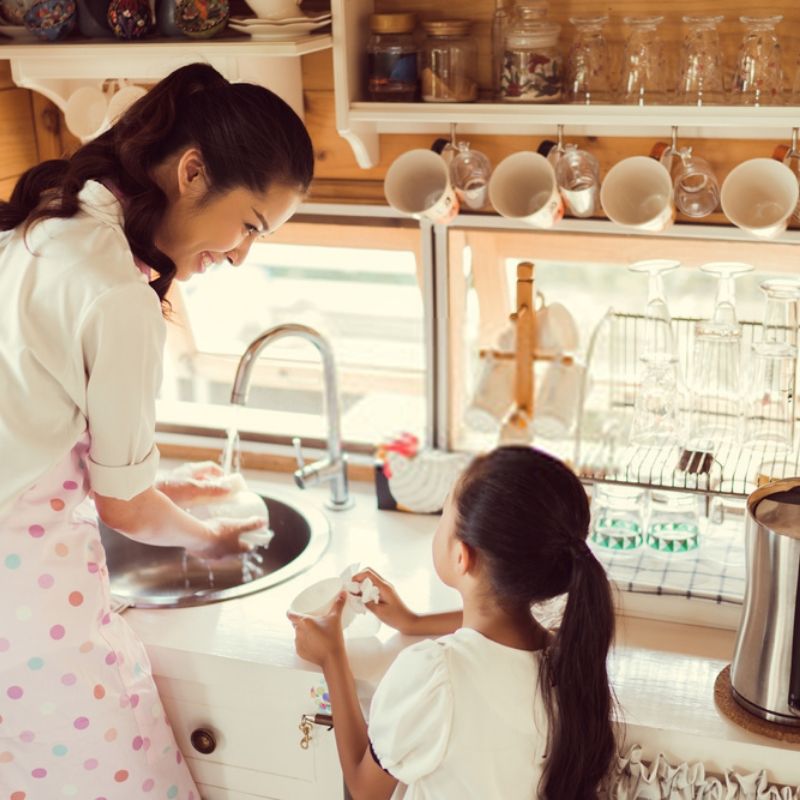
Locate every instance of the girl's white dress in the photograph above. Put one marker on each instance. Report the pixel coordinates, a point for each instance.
(461, 717)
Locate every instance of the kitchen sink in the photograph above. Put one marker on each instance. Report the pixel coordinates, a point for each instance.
(168, 577)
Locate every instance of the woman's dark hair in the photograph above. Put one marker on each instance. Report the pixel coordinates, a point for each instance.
(527, 516)
(247, 135)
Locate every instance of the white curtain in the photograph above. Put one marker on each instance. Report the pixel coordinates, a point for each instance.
(634, 779)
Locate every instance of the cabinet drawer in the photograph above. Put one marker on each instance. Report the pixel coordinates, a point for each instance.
(256, 737)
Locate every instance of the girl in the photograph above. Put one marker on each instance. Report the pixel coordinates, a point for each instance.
(186, 178)
(500, 708)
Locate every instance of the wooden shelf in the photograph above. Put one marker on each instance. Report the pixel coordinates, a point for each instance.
(361, 123)
(56, 69)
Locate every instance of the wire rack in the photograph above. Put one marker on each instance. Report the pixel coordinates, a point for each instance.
(602, 444)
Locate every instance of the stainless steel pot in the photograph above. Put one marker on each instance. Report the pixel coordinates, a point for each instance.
(766, 665)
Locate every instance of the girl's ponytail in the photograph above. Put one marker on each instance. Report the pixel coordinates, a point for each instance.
(579, 699)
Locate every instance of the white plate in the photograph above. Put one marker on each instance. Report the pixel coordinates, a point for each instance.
(285, 32)
(257, 21)
(17, 32)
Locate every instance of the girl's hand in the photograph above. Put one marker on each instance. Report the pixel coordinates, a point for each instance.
(319, 639)
(390, 609)
(224, 539)
(194, 483)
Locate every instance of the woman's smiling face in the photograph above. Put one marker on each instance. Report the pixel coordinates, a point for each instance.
(198, 231)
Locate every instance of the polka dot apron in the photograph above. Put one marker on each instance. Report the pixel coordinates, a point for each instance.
(79, 711)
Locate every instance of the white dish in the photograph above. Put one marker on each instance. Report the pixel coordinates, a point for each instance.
(278, 32)
(17, 32)
(248, 21)
(316, 600)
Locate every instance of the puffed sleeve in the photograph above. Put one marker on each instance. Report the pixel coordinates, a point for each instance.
(411, 713)
(123, 342)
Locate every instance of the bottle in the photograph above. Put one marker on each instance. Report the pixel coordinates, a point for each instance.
(532, 61)
(502, 16)
(392, 56)
(449, 61)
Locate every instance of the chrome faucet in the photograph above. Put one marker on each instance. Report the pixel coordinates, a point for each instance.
(333, 467)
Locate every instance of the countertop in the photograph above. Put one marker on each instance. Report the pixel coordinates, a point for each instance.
(663, 671)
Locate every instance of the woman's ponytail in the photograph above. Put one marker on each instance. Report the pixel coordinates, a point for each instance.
(27, 193)
(575, 679)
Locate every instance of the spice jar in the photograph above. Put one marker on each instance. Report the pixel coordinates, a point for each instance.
(392, 56)
(532, 62)
(449, 60)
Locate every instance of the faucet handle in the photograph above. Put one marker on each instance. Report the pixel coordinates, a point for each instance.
(298, 452)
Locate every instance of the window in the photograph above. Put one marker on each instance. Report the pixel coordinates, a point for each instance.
(358, 285)
(588, 274)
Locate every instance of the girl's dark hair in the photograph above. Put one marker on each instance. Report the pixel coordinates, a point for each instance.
(527, 516)
(247, 135)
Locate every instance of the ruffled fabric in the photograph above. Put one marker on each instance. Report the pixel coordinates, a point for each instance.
(634, 779)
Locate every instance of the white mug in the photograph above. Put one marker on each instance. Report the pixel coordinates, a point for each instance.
(523, 186)
(556, 330)
(759, 196)
(85, 113)
(122, 100)
(418, 183)
(637, 193)
(493, 396)
(557, 405)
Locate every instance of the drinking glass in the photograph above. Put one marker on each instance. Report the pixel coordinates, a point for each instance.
(758, 80)
(644, 65)
(701, 72)
(587, 75)
(617, 517)
(696, 189)
(769, 409)
(657, 403)
(715, 386)
(578, 177)
(469, 173)
(674, 522)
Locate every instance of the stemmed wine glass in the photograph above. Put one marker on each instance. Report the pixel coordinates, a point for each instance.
(715, 384)
(657, 402)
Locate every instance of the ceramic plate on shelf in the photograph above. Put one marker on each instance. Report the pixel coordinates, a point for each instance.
(278, 32)
(17, 32)
(257, 21)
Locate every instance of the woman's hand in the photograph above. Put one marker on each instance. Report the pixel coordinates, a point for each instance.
(224, 537)
(194, 483)
(320, 639)
(390, 609)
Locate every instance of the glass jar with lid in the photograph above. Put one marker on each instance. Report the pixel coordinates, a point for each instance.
(392, 58)
(449, 62)
(532, 71)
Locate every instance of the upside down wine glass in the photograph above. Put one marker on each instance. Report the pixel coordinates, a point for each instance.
(656, 405)
(769, 409)
(715, 384)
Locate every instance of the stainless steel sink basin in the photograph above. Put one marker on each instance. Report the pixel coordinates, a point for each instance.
(167, 577)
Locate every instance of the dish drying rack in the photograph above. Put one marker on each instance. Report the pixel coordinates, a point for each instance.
(602, 451)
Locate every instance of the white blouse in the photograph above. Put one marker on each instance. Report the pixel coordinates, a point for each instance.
(81, 344)
(461, 717)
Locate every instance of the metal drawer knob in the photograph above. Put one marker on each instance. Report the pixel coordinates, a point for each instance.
(203, 741)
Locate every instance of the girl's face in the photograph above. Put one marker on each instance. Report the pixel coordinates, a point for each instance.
(446, 544)
(197, 235)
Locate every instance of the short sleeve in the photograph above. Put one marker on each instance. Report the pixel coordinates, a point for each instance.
(411, 713)
(123, 342)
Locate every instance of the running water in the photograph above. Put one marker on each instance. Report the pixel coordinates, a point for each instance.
(231, 454)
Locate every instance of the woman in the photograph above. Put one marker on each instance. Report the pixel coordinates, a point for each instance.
(89, 246)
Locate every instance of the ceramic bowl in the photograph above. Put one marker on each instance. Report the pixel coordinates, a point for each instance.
(13, 11)
(316, 600)
(51, 19)
(201, 19)
(129, 19)
(274, 9)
